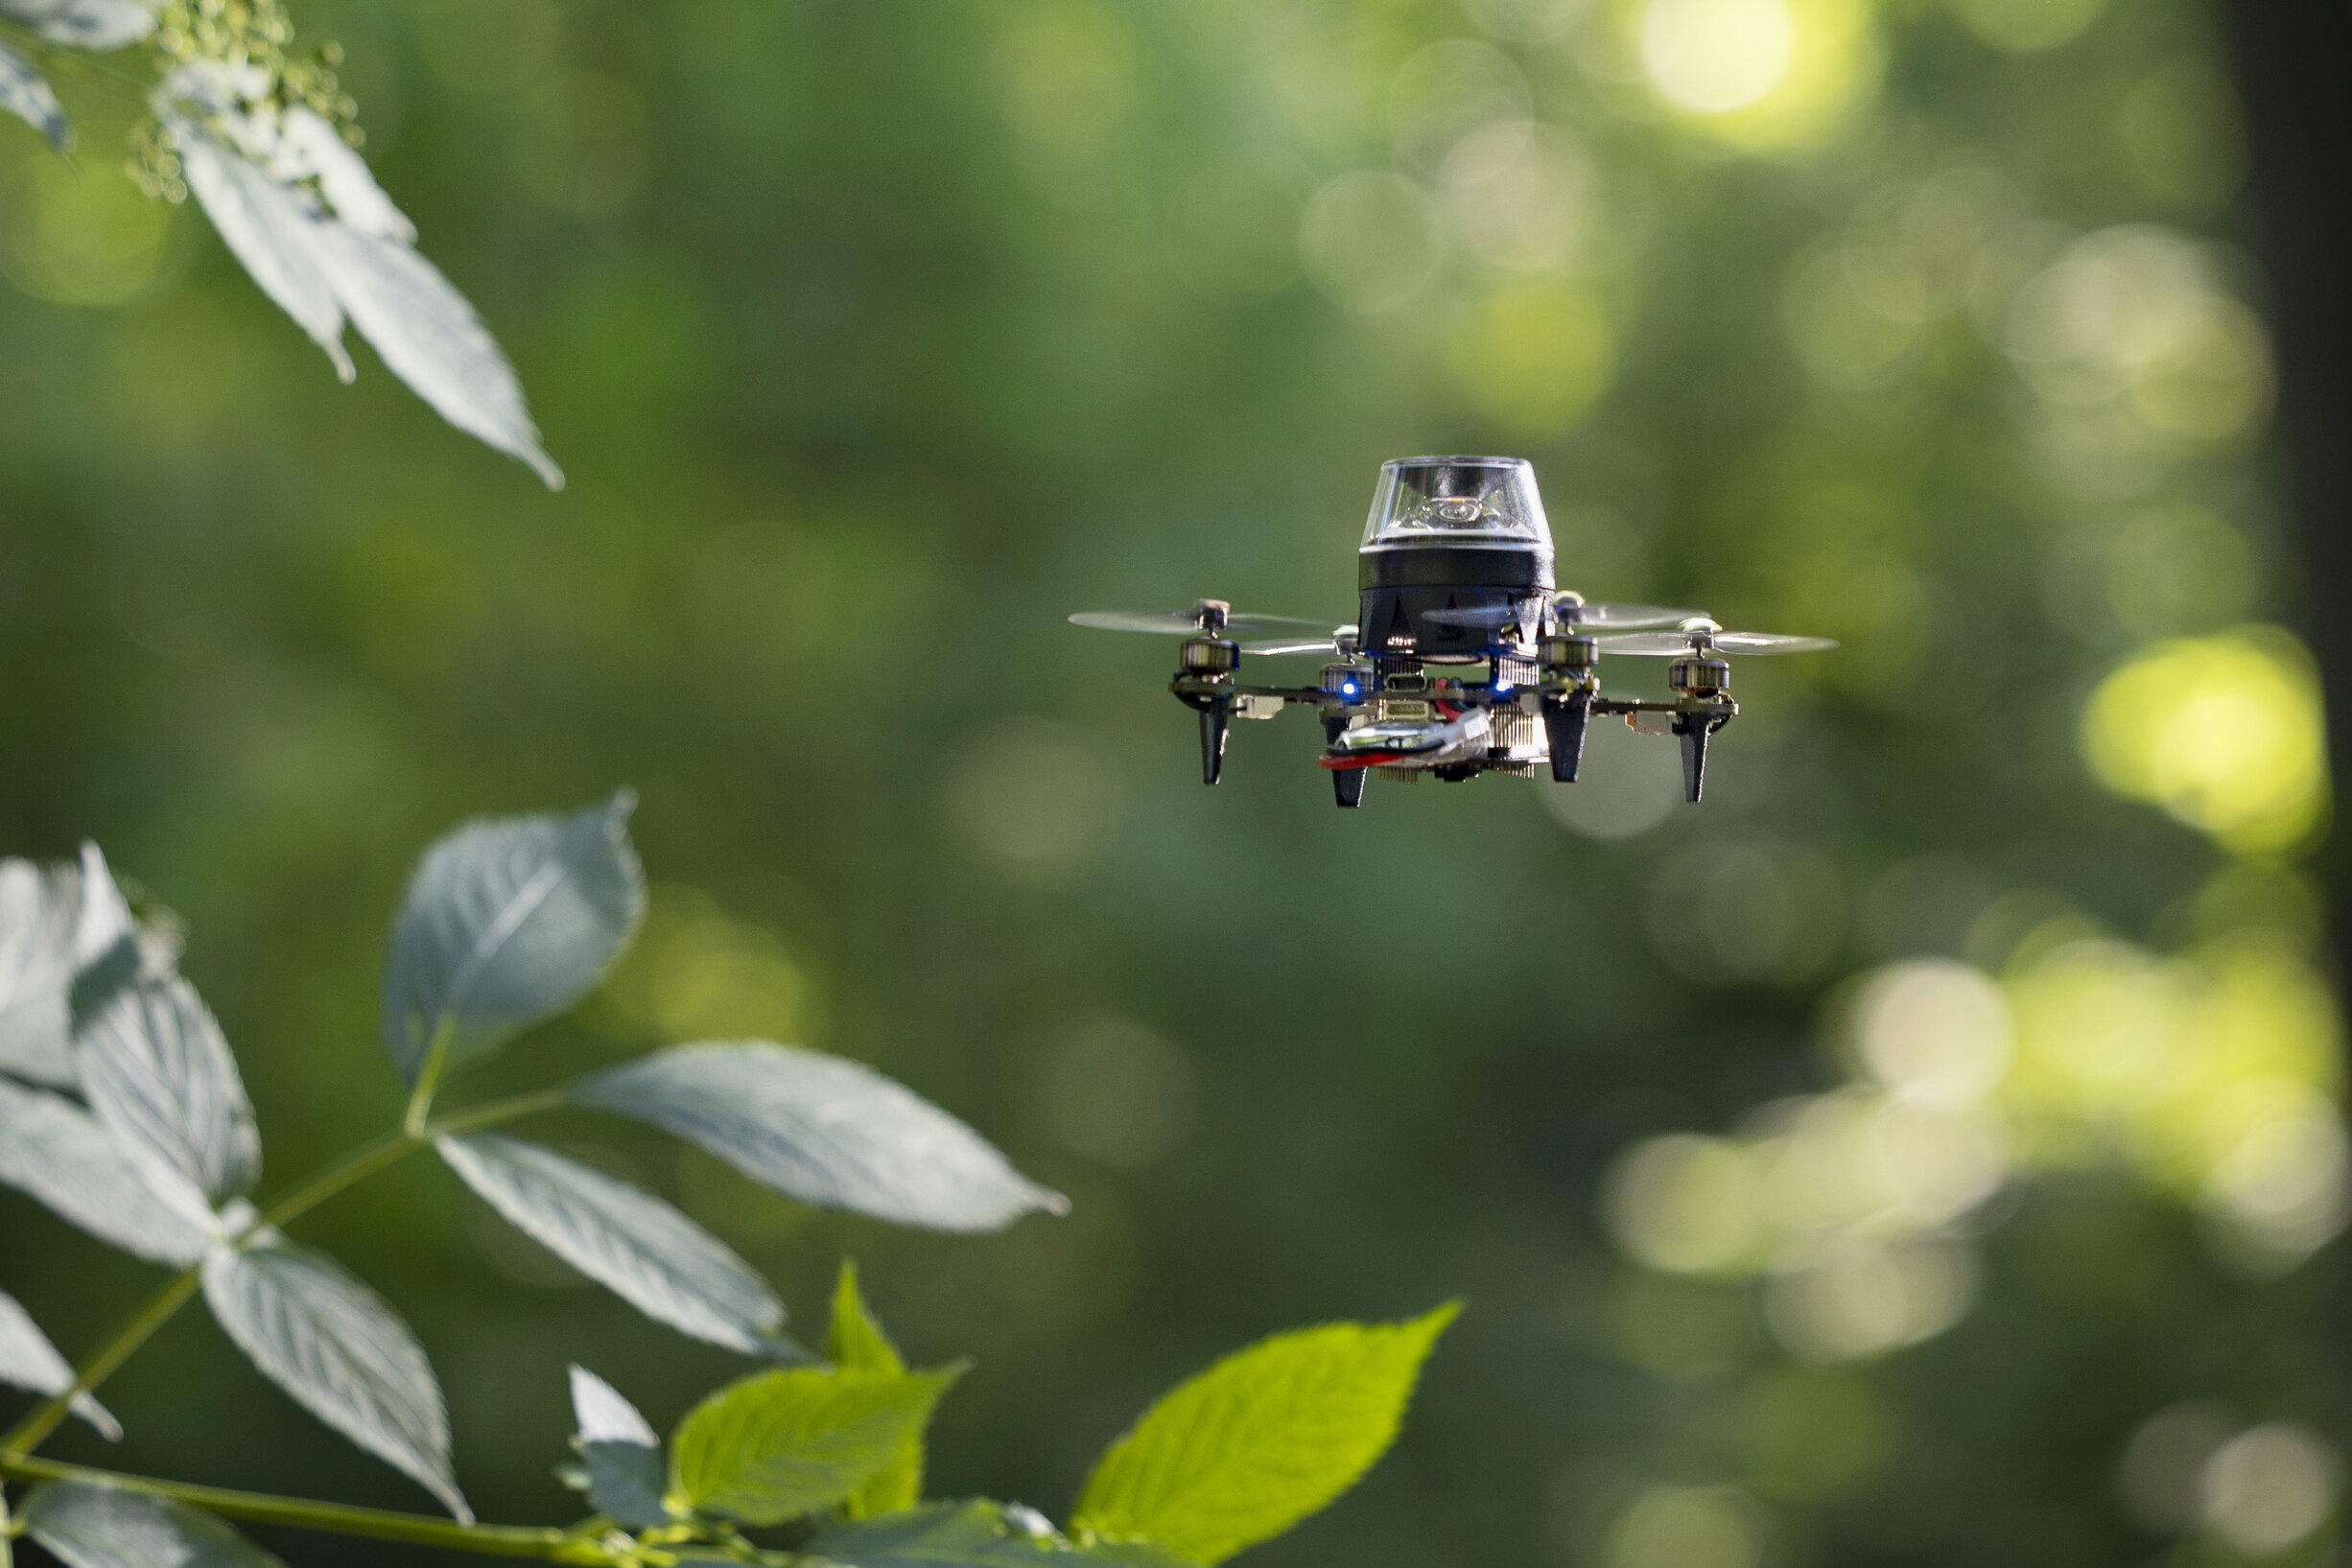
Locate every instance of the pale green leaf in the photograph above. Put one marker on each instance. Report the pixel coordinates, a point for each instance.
(87, 1526)
(823, 1130)
(644, 1250)
(857, 1345)
(343, 1354)
(783, 1443)
(621, 1456)
(29, 1361)
(505, 922)
(54, 1150)
(1262, 1440)
(158, 1074)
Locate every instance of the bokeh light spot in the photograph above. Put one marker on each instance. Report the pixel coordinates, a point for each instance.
(81, 237)
(1369, 240)
(1685, 1527)
(2224, 733)
(1535, 357)
(2269, 1487)
(1711, 55)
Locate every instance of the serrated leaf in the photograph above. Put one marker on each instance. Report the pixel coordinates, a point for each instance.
(26, 93)
(343, 1354)
(158, 1074)
(971, 1534)
(1262, 1440)
(639, 1246)
(506, 922)
(57, 1152)
(621, 1459)
(29, 1361)
(823, 1130)
(857, 1343)
(85, 24)
(87, 1526)
(780, 1444)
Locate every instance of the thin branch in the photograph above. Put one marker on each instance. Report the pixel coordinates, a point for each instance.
(35, 1428)
(379, 1523)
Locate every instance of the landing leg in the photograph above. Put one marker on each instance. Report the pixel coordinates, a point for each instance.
(1347, 783)
(1216, 723)
(1694, 730)
(1564, 722)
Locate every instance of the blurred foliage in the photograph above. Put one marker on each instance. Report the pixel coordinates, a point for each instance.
(1978, 1004)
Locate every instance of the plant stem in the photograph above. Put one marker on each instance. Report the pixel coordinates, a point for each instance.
(380, 1523)
(45, 1417)
(429, 1075)
(7, 1535)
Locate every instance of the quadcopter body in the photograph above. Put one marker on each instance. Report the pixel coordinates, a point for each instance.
(1466, 657)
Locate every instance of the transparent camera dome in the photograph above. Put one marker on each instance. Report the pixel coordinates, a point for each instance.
(1465, 502)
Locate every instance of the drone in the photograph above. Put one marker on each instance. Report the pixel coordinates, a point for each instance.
(1465, 657)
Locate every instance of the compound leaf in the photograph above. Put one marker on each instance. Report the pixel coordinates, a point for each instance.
(970, 1535)
(87, 1526)
(783, 1443)
(508, 920)
(53, 922)
(157, 1071)
(1259, 1442)
(29, 1361)
(57, 1152)
(644, 1251)
(344, 1356)
(857, 1343)
(619, 1452)
(85, 24)
(825, 1130)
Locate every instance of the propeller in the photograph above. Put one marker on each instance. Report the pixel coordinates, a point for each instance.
(1339, 641)
(1702, 636)
(1208, 616)
(1570, 610)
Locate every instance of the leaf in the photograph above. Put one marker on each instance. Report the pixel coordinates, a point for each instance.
(26, 93)
(29, 1361)
(644, 1251)
(343, 1353)
(971, 1534)
(1262, 1440)
(431, 339)
(38, 913)
(622, 1457)
(859, 1345)
(825, 1130)
(85, 24)
(780, 1444)
(267, 227)
(57, 1152)
(301, 212)
(158, 1074)
(87, 1526)
(507, 921)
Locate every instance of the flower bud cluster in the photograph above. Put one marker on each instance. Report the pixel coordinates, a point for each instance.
(254, 37)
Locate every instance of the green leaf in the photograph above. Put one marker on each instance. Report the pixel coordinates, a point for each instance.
(859, 1345)
(85, 1526)
(54, 1150)
(780, 1444)
(1262, 1440)
(505, 922)
(160, 1074)
(974, 1535)
(26, 93)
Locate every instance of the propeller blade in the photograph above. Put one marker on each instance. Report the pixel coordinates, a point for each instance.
(1185, 624)
(1328, 647)
(1623, 617)
(1675, 644)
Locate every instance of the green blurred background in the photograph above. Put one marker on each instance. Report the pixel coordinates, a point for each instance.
(1920, 1153)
